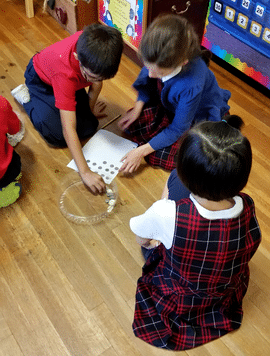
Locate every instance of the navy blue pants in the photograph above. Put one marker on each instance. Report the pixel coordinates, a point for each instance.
(177, 191)
(14, 169)
(46, 117)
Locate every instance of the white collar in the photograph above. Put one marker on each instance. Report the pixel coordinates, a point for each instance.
(231, 213)
(172, 74)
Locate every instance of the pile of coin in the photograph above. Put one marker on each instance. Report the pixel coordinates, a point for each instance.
(111, 201)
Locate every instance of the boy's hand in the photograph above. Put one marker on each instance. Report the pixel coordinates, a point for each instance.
(99, 108)
(94, 182)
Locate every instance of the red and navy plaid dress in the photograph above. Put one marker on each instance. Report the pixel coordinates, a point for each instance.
(152, 121)
(192, 293)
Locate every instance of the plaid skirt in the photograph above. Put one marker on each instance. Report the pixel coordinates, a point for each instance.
(152, 121)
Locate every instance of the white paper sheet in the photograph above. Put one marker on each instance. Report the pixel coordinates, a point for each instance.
(103, 154)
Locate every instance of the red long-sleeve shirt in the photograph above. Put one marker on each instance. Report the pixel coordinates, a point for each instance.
(9, 123)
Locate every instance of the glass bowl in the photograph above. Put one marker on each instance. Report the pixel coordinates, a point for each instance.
(80, 206)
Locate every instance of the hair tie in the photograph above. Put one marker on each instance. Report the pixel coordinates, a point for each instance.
(224, 121)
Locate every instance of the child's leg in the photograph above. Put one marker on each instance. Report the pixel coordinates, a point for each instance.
(87, 123)
(12, 172)
(46, 117)
(146, 252)
(153, 119)
(10, 188)
(41, 108)
(176, 188)
(164, 158)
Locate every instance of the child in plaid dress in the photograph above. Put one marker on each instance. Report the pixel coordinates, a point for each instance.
(175, 90)
(194, 281)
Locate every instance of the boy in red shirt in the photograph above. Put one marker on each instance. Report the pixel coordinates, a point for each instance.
(10, 162)
(54, 94)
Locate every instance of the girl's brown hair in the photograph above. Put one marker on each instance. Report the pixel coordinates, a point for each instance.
(169, 41)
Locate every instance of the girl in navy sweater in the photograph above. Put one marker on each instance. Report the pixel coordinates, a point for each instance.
(175, 89)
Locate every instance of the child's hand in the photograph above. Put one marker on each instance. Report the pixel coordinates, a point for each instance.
(99, 108)
(132, 161)
(152, 244)
(94, 182)
(131, 116)
(147, 243)
(128, 119)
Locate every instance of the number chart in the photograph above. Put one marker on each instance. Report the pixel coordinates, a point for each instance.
(247, 20)
(238, 31)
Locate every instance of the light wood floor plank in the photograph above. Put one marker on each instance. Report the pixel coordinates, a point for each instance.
(26, 319)
(8, 344)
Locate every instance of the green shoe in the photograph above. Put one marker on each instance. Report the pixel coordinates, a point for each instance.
(9, 194)
(19, 176)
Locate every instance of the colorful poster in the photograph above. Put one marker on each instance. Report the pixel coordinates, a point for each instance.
(127, 16)
(238, 39)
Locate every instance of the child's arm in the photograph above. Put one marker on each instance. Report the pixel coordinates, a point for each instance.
(14, 139)
(93, 94)
(13, 122)
(165, 193)
(134, 157)
(14, 126)
(188, 104)
(181, 122)
(91, 179)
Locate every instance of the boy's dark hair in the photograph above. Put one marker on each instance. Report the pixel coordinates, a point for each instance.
(99, 49)
(214, 159)
(169, 41)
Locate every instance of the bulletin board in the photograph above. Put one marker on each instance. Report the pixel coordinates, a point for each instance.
(230, 33)
(128, 16)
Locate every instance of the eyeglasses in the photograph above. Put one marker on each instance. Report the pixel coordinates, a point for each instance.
(90, 77)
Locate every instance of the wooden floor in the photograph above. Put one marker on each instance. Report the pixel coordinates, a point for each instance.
(68, 289)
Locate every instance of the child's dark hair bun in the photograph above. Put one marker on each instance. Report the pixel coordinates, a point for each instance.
(206, 56)
(234, 121)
